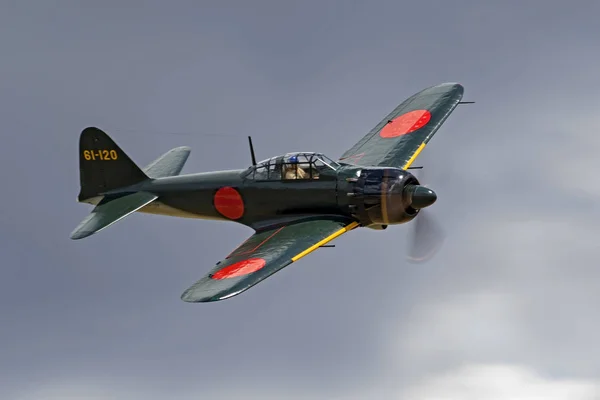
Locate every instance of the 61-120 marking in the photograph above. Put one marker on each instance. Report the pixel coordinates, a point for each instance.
(104, 155)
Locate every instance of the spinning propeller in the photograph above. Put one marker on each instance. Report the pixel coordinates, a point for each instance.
(426, 235)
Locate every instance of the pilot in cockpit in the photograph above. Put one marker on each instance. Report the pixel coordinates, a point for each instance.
(293, 170)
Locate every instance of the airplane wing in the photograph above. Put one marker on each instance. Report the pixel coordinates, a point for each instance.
(399, 138)
(263, 254)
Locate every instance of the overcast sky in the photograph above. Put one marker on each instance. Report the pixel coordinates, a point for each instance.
(509, 307)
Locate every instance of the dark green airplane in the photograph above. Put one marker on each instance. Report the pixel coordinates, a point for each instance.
(295, 203)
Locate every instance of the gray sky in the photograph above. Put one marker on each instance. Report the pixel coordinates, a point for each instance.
(508, 307)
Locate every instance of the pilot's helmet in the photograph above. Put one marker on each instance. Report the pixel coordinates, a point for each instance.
(293, 160)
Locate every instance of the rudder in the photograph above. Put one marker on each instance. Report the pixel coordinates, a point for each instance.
(103, 165)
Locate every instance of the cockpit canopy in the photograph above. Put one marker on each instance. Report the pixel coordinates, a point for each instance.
(300, 165)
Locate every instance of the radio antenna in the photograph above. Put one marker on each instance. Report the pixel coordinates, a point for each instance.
(252, 151)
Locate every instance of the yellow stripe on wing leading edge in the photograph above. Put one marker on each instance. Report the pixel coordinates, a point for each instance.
(324, 241)
(414, 156)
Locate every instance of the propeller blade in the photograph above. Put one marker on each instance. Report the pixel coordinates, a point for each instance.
(426, 238)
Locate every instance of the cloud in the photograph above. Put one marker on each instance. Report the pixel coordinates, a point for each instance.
(93, 389)
(467, 382)
(522, 292)
(500, 382)
(462, 325)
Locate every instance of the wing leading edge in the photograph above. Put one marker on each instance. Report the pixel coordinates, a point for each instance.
(399, 138)
(263, 254)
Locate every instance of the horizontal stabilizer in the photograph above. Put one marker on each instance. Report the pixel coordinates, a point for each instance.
(169, 164)
(109, 211)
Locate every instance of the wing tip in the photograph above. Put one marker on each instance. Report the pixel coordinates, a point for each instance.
(77, 234)
(192, 296)
(448, 87)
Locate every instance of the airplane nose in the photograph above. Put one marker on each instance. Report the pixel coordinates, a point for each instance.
(421, 196)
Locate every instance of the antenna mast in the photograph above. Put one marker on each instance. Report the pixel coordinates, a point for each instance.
(252, 150)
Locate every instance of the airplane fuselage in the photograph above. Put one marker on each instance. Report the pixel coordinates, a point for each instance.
(376, 197)
(229, 195)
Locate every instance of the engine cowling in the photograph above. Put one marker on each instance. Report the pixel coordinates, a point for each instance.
(388, 196)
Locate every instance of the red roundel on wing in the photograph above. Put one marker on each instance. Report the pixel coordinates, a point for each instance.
(406, 123)
(229, 203)
(240, 268)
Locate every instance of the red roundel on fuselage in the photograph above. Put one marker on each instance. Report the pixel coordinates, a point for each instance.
(405, 123)
(229, 203)
(240, 268)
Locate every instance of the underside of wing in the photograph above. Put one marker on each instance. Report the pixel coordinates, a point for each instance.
(399, 138)
(263, 254)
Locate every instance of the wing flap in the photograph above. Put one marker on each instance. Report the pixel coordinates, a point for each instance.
(107, 212)
(262, 255)
(400, 137)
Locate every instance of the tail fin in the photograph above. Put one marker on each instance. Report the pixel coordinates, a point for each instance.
(103, 166)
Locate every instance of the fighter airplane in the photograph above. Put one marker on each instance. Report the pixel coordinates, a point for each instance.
(295, 203)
